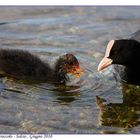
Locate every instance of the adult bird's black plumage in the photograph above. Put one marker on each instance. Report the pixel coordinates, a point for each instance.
(21, 64)
(125, 54)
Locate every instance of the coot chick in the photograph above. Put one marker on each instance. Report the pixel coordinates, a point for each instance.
(23, 65)
(125, 54)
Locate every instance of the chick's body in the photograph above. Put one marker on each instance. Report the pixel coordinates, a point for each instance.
(21, 64)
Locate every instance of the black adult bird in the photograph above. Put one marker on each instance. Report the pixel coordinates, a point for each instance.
(23, 65)
(125, 53)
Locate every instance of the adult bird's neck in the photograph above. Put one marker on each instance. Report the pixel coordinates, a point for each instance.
(127, 74)
(131, 74)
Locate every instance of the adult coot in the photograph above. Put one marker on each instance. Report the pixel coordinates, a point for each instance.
(21, 64)
(125, 54)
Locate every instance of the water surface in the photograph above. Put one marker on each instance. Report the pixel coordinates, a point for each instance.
(95, 103)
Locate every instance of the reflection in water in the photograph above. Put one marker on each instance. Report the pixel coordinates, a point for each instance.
(65, 98)
(125, 114)
(63, 94)
(66, 94)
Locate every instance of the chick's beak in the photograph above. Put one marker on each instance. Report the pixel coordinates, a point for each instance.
(76, 71)
(105, 62)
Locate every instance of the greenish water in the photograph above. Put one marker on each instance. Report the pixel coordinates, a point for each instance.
(95, 103)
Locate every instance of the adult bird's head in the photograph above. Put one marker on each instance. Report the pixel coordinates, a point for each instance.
(123, 52)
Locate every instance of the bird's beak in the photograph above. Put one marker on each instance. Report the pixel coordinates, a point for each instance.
(105, 62)
(76, 71)
(79, 71)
